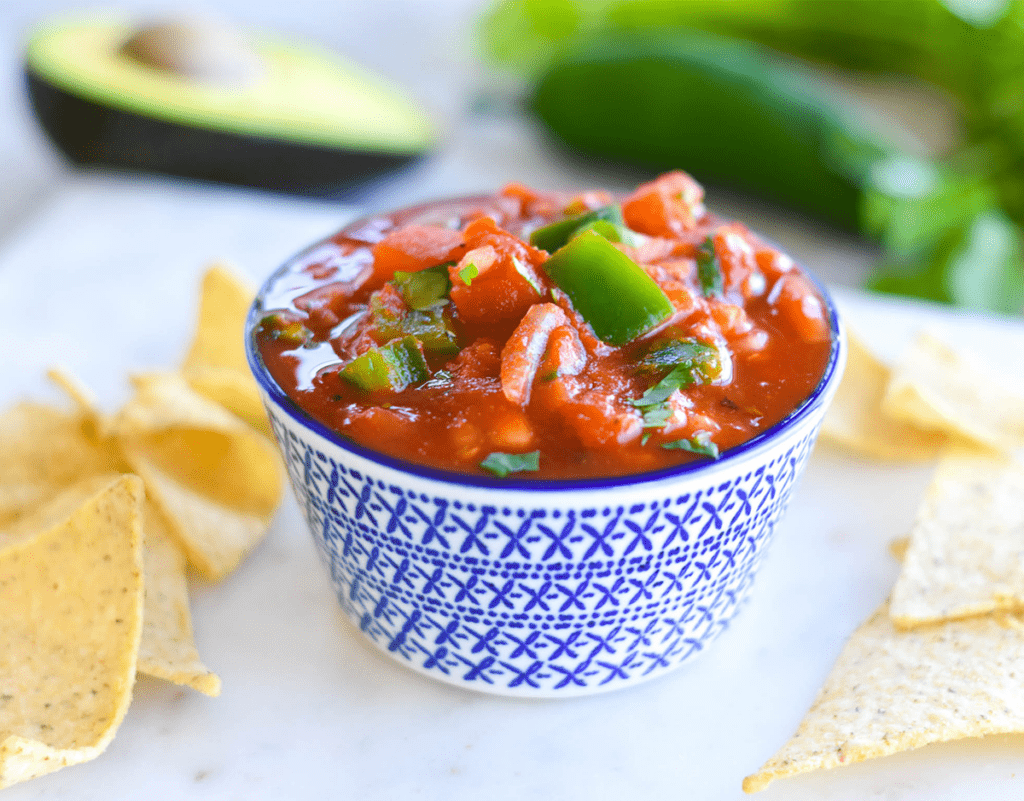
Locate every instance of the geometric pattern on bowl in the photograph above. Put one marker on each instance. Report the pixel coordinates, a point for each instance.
(542, 594)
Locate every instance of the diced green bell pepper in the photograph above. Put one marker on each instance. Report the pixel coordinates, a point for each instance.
(279, 328)
(390, 367)
(426, 288)
(610, 290)
(552, 237)
(432, 328)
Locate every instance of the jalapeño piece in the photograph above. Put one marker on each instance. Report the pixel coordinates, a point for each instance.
(279, 327)
(552, 237)
(390, 367)
(424, 289)
(611, 291)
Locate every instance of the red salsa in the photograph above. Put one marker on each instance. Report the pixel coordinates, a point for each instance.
(543, 335)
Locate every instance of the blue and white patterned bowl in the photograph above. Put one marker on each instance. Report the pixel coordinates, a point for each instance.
(541, 589)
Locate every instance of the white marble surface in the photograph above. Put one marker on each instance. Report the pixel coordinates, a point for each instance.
(98, 272)
(101, 279)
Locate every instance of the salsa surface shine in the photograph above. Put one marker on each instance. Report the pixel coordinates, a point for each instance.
(441, 336)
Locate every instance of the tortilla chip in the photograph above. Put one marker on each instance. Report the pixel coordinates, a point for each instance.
(856, 421)
(69, 634)
(966, 545)
(44, 451)
(223, 306)
(167, 649)
(935, 387)
(233, 390)
(215, 480)
(892, 691)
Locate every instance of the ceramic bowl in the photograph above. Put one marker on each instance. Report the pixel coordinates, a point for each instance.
(541, 588)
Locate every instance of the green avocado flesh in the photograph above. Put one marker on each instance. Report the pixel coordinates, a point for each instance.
(305, 96)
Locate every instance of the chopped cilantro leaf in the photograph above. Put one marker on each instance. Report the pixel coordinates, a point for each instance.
(709, 270)
(657, 416)
(700, 443)
(679, 378)
(501, 464)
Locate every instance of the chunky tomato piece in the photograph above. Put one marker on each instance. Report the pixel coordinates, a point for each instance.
(414, 248)
(498, 279)
(511, 372)
(670, 205)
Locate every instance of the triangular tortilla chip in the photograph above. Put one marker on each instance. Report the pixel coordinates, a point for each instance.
(966, 552)
(167, 649)
(892, 691)
(935, 387)
(233, 390)
(223, 306)
(43, 451)
(69, 634)
(215, 480)
(855, 419)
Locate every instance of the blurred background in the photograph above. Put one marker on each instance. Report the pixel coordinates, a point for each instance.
(878, 141)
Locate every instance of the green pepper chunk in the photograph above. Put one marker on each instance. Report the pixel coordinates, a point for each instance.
(431, 327)
(390, 367)
(279, 328)
(552, 237)
(424, 289)
(610, 290)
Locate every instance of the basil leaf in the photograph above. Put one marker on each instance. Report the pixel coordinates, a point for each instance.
(501, 464)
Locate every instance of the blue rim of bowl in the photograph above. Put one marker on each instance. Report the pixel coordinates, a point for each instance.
(293, 410)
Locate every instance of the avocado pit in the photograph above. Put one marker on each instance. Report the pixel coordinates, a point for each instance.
(197, 48)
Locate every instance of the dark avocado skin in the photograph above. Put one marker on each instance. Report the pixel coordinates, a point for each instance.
(93, 133)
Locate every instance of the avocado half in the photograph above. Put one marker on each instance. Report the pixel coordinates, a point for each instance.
(309, 124)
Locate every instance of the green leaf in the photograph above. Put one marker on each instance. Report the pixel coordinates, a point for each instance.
(501, 464)
(987, 270)
(700, 443)
(656, 416)
(709, 270)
